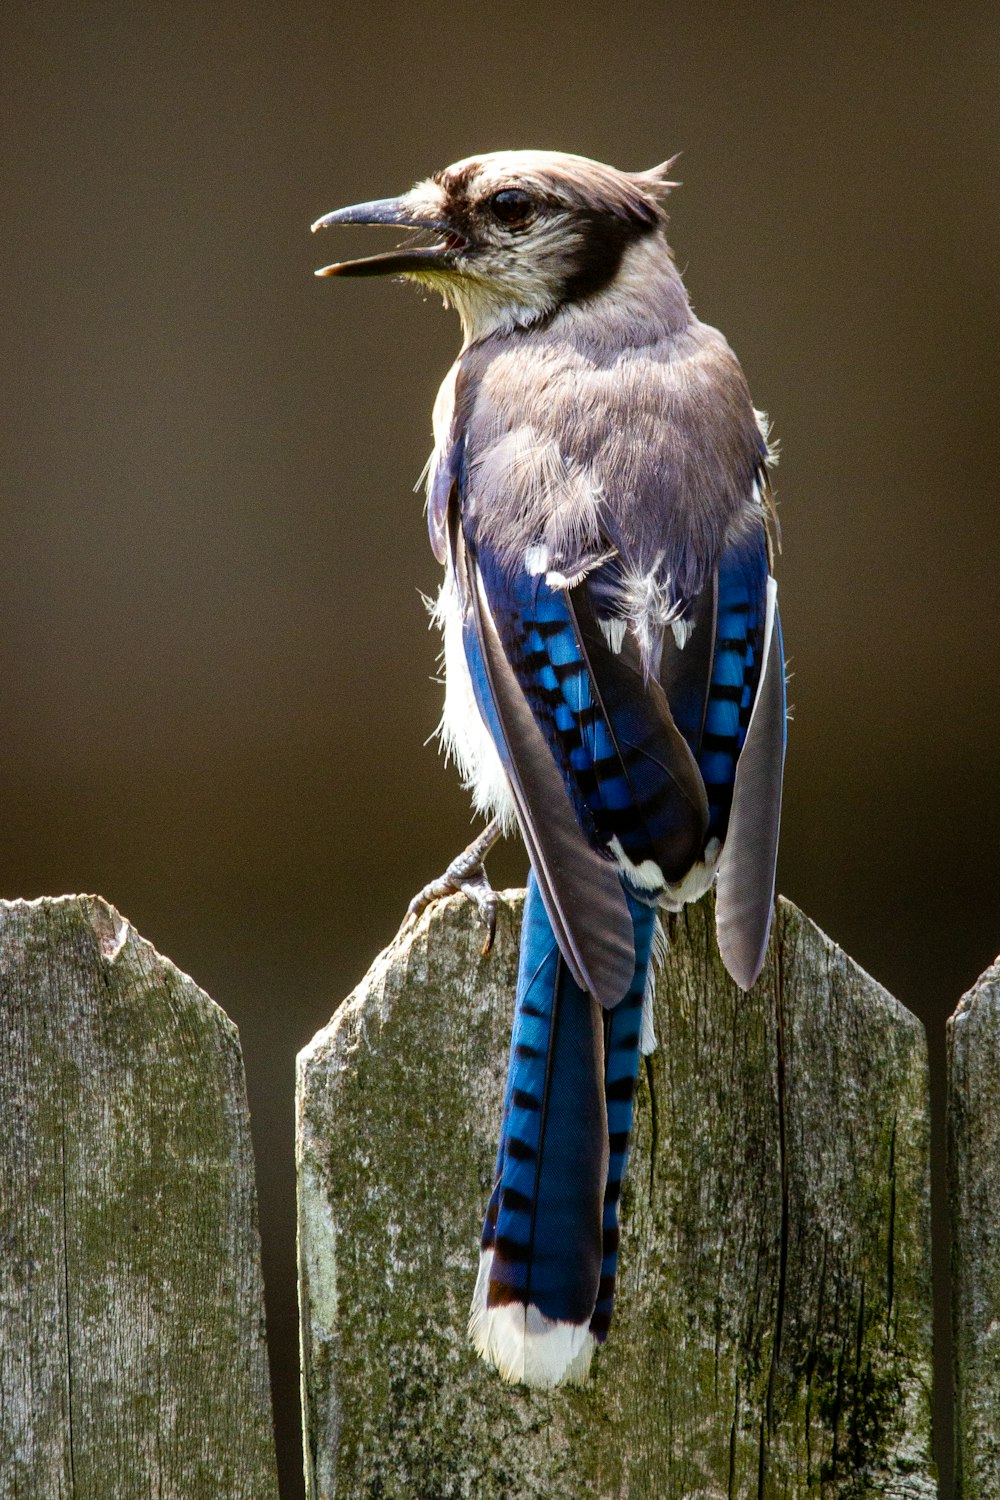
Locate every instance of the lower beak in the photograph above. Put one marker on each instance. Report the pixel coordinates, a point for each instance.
(390, 211)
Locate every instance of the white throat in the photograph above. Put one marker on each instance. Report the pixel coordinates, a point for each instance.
(486, 307)
(646, 292)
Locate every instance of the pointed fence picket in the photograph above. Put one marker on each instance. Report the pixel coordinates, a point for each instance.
(132, 1356)
(773, 1329)
(974, 1184)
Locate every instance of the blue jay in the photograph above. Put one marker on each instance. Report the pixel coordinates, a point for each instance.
(615, 686)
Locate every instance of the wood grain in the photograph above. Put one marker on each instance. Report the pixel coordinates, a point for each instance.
(132, 1357)
(974, 1183)
(773, 1331)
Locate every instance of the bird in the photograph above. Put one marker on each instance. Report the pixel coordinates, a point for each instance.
(599, 497)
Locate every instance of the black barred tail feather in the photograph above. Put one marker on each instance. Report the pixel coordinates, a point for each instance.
(623, 1042)
(545, 1290)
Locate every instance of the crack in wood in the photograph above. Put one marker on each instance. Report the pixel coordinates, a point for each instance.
(891, 1237)
(67, 1321)
(779, 1314)
(654, 1126)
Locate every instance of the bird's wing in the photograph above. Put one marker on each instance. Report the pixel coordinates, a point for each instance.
(594, 760)
(580, 887)
(747, 868)
(726, 689)
(652, 798)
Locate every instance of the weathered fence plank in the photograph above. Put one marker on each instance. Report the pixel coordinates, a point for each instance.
(973, 1169)
(772, 1337)
(132, 1357)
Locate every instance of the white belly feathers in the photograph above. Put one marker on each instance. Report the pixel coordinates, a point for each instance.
(463, 735)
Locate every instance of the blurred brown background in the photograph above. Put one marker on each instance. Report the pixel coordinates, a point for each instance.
(215, 683)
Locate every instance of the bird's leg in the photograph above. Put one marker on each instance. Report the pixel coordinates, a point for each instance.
(467, 874)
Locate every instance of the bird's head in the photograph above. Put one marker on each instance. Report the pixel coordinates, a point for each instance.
(514, 235)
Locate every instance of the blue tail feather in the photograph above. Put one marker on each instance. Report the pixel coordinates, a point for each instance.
(551, 1228)
(551, 1161)
(622, 1034)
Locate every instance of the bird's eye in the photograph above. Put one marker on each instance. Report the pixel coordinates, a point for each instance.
(512, 207)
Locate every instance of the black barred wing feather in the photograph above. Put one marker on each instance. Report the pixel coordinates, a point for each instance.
(726, 690)
(580, 887)
(627, 775)
(747, 867)
(652, 794)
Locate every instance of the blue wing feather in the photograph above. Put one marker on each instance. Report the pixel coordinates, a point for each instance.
(739, 638)
(627, 771)
(582, 893)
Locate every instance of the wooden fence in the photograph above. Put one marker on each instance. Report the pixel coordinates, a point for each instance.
(132, 1356)
(772, 1337)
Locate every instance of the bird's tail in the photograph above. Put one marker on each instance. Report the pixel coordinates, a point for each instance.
(549, 1254)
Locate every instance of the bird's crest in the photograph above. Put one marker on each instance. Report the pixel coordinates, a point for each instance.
(656, 181)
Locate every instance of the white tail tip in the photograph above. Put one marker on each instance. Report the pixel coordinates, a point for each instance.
(523, 1345)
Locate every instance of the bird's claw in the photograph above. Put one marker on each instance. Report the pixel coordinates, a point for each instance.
(469, 877)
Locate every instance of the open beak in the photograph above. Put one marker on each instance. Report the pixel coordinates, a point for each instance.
(398, 262)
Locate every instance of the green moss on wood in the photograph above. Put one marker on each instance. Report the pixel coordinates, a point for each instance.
(132, 1360)
(772, 1336)
(973, 1153)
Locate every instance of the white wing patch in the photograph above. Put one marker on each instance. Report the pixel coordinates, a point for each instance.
(661, 947)
(536, 561)
(645, 877)
(613, 631)
(696, 882)
(648, 602)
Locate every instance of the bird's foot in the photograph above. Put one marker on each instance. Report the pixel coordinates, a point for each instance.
(467, 874)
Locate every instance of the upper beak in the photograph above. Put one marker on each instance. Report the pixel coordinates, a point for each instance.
(390, 211)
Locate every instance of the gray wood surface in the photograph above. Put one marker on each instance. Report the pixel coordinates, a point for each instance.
(974, 1183)
(132, 1357)
(773, 1331)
